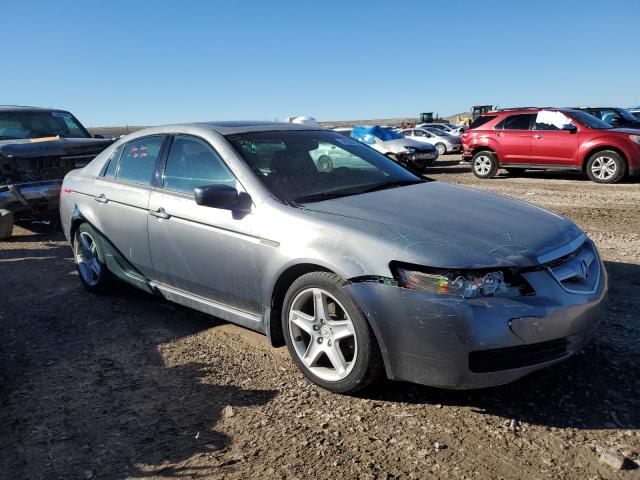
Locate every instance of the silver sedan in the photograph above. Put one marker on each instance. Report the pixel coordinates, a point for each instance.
(443, 142)
(362, 270)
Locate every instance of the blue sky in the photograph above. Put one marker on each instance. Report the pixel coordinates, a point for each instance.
(153, 62)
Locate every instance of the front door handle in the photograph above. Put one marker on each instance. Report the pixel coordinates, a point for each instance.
(101, 198)
(500, 134)
(160, 213)
(538, 135)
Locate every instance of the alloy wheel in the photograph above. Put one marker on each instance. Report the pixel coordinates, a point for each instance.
(604, 168)
(322, 334)
(482, 165)
(86, 255)
(441, 149)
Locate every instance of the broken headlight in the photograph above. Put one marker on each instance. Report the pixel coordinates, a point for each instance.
(466, 284)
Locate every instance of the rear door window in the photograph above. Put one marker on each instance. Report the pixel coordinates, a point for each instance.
(193, 163)
(516, 122)
(138, 160)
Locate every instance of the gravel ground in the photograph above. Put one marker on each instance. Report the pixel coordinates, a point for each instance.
(130, 386)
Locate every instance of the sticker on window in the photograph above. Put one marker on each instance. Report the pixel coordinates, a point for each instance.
(348, 141)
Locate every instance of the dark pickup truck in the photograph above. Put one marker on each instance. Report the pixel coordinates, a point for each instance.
(38, 146)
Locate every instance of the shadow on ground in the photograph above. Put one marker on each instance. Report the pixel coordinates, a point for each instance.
(596, 389)
(84, 390)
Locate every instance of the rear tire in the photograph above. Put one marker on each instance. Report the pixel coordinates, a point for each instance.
(484, 164)
(441, 149)
(89, 259)
(606, 166)
(328, 337)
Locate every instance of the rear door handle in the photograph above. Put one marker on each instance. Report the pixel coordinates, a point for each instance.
(101, 198)
(500, 134)
(538, 135)
(160, 213)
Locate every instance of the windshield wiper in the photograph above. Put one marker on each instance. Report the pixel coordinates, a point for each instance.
(390, 184)
(317, 197)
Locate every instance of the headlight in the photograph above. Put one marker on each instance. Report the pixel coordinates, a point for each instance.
(466, 284)
(635, 138)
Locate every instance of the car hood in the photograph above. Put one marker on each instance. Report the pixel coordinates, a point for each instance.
(443, 225)
(53, 147)
(407, 143)
(627, 130)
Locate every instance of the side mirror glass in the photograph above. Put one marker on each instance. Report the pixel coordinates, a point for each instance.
(222, 196)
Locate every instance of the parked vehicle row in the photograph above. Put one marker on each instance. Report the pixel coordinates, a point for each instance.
(553, 139)
(362, 269)
(409, 152)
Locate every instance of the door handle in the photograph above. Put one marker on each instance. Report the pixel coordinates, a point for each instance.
(160, 213)
(538, 135)
(500, 134)
(101, 198)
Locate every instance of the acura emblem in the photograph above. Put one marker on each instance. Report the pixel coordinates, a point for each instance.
(584, 269)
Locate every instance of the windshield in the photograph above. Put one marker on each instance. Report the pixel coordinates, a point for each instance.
(308, 166)
(587, 119)
(38, 124)
(626, 114)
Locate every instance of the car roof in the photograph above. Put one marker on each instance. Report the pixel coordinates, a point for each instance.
(232, 127)
(25, 108)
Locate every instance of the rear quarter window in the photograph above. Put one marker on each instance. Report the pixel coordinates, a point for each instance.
(480, 121)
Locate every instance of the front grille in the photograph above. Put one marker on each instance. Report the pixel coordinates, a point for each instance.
(579, 271)
(494, 360)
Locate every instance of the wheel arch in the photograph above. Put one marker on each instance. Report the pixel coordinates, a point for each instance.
(601, 148)
(280, 287)
(485, 148)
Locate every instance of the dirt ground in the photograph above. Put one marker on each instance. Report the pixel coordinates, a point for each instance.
(130, 386)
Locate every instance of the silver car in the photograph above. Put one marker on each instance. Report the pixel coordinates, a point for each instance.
(363, 270)
(443, 142)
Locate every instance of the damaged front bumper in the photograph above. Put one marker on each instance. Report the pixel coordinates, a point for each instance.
(473, 343)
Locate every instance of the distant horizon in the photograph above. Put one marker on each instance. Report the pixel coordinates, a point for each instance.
(140, 63)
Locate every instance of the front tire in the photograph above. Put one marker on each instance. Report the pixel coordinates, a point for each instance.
(328, 337)
(606, 166)
(484, 164)
(89, 259)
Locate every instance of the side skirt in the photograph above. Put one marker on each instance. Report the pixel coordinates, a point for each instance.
(122, 269)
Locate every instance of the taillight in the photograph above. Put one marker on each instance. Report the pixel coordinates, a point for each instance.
(66, 190)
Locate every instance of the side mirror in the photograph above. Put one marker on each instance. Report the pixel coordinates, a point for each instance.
(570, 128)
(222, 196)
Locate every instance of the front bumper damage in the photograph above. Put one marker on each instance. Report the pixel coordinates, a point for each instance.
(29, 197)
(474, 343)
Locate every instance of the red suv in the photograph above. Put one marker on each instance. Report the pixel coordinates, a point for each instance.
(551, 138)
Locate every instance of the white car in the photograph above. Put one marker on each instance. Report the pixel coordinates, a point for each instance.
(441, 141)
(447, 127)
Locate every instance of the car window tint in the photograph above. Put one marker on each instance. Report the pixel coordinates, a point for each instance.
(516, 122)
(110, 171)
(138, 160)
(193, 163)
(478, 122)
